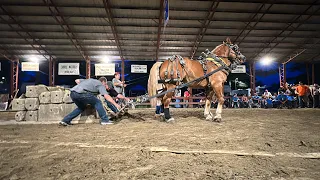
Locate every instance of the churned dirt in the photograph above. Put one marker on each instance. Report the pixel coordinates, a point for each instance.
(248, 144)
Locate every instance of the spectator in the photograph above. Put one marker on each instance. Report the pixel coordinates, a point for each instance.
(177, 95)
(281, 90)
(186, 96)
(117, 84)
(267, 94)
(301, 90)
(235, 101)
(159, 105)
(245, 101)
(315, 92)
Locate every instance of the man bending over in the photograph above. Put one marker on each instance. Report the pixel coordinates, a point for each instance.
(85, 93)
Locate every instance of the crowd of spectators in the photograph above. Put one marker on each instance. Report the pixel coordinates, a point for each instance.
(290, 96)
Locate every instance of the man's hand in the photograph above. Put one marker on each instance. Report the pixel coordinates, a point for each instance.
(124, 85)
(117, 106)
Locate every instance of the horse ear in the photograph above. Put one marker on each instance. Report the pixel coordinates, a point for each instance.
(228, 40)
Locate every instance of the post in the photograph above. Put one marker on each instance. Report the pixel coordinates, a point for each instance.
(312, 73)
(51, 71)
(282, 74)
(252, 78)
(122, 69)
(307, 69)
(88, 67)
(14, 79)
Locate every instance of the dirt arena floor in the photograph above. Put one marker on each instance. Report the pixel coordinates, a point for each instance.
(248, 144)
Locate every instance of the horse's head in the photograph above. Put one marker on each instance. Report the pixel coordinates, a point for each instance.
(230, 51)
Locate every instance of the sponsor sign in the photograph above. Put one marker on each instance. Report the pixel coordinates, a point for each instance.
(139, 68)
(68, 69)
(29, 66)
(239, 69)
(104, 69)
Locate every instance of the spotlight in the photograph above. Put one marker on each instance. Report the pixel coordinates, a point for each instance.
(105, 59)
(34, 59)
(266, 61)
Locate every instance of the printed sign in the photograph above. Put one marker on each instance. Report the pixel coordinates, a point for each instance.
(138, 68)
(104, 69)
(30, 66)
(68, 69)
(239, 69)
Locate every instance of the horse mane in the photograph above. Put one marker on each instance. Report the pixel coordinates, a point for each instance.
(217, 47)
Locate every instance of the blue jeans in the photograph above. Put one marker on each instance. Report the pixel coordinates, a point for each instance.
(301, 104)
(111, 106)
(81, 100)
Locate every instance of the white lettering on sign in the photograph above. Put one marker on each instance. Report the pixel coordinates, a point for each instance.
(139, 68)
(239, 69)
(104, 69)
(29, 66)
(68, 69)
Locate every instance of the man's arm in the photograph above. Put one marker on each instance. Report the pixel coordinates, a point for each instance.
(120, 96)
(110, 99)
(78, 81)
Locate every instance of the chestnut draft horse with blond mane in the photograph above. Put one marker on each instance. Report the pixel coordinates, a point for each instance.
(178, 70)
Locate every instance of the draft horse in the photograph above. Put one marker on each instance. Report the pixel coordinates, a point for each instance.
(178, 70)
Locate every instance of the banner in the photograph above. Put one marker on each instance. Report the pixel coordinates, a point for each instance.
(68, 69)
(104, 69)
(30, 66)
(139, 68)
(239, 69)
(166, 12)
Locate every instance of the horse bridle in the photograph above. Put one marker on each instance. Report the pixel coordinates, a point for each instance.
(235, 49)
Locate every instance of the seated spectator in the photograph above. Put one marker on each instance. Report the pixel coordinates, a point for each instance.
(245, 101)
(235, 101)
(256, 101)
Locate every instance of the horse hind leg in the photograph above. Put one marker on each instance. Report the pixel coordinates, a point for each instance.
(219, 93)
(207, 113)
(166, 102)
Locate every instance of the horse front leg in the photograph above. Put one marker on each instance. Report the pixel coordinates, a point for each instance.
(218, 88)
(166, 102)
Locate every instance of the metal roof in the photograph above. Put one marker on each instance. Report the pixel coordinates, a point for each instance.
(75, 30)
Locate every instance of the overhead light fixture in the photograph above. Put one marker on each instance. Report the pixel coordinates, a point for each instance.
(34, 59)
(105, 59)
(266, 60)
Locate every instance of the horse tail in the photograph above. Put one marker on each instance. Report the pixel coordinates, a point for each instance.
(153, 84)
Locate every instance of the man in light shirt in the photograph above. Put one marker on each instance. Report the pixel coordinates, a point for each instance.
(85, 93)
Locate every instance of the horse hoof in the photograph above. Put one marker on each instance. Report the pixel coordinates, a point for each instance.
(217, 120)
(170, 120)
(209, 118)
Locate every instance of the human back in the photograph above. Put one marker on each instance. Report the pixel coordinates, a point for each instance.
(93, 86)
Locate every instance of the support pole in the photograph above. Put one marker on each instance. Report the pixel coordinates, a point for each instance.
(51, 71)
(312, 73)
(122, 69)
(282, 74)
(88, 68)
(14, 79)
(252, 78)
(308, 76)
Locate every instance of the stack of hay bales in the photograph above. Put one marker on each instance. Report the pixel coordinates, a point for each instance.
(43, 103)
